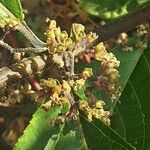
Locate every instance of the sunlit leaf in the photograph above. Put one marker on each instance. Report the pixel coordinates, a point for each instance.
(14, 6)
(110, 9)
(40, 129)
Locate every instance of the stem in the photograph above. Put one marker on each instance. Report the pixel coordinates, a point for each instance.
(27, 32)
(6, 46)
(82, 138)
(28, 49)
(31, 49)
(124, 24)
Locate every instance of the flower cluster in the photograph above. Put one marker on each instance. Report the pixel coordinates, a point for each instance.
(8, 22)
(65, 48)
(109, 64)
(62, 45)
(59, 41)
(78, 83)
(97, 111)
(61, 92)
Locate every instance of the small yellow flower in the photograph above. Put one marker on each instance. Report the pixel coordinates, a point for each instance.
(83, 104)
(71, 83)
(79, 83)
(57, 89)
(63, 35)
(112, 74)
(57, 32)
(66, 86)
(69, 43)
(52, 24)
(61, 48)
(87, 72)
(100, 52)
(99, 104)
(2, 24)
(77, 32)
(91, 37)
(106, 120)
(51, 82)
(51, 36)
(55, 97)
(90, 116)
(58, 59)
(9, 22)
(96, 113)
(111, 60)
(63, 100)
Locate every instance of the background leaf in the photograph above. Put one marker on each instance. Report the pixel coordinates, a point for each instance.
(110, 9)
(40, 129)
(68, 138)
(100, 136)
(14, 6)
(137, 93)
(45, 134)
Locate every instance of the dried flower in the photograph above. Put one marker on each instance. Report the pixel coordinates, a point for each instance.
(95, 112)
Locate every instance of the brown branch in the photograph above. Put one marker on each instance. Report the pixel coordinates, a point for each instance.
(11, 76)
(28, 49)
(124, 24)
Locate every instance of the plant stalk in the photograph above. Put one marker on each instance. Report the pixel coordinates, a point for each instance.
(124, 24)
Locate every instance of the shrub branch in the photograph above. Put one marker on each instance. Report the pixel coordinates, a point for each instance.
(124, 24)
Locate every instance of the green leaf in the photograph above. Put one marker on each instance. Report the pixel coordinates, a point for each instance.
(52, 142)
(2, 12)
(110, 9)
(128, 60)
(65, 108)
(99, 135)
(134, 106)
(130, 110)
(40, 129)
(14, 6)
(68, 138)
(50, 135)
